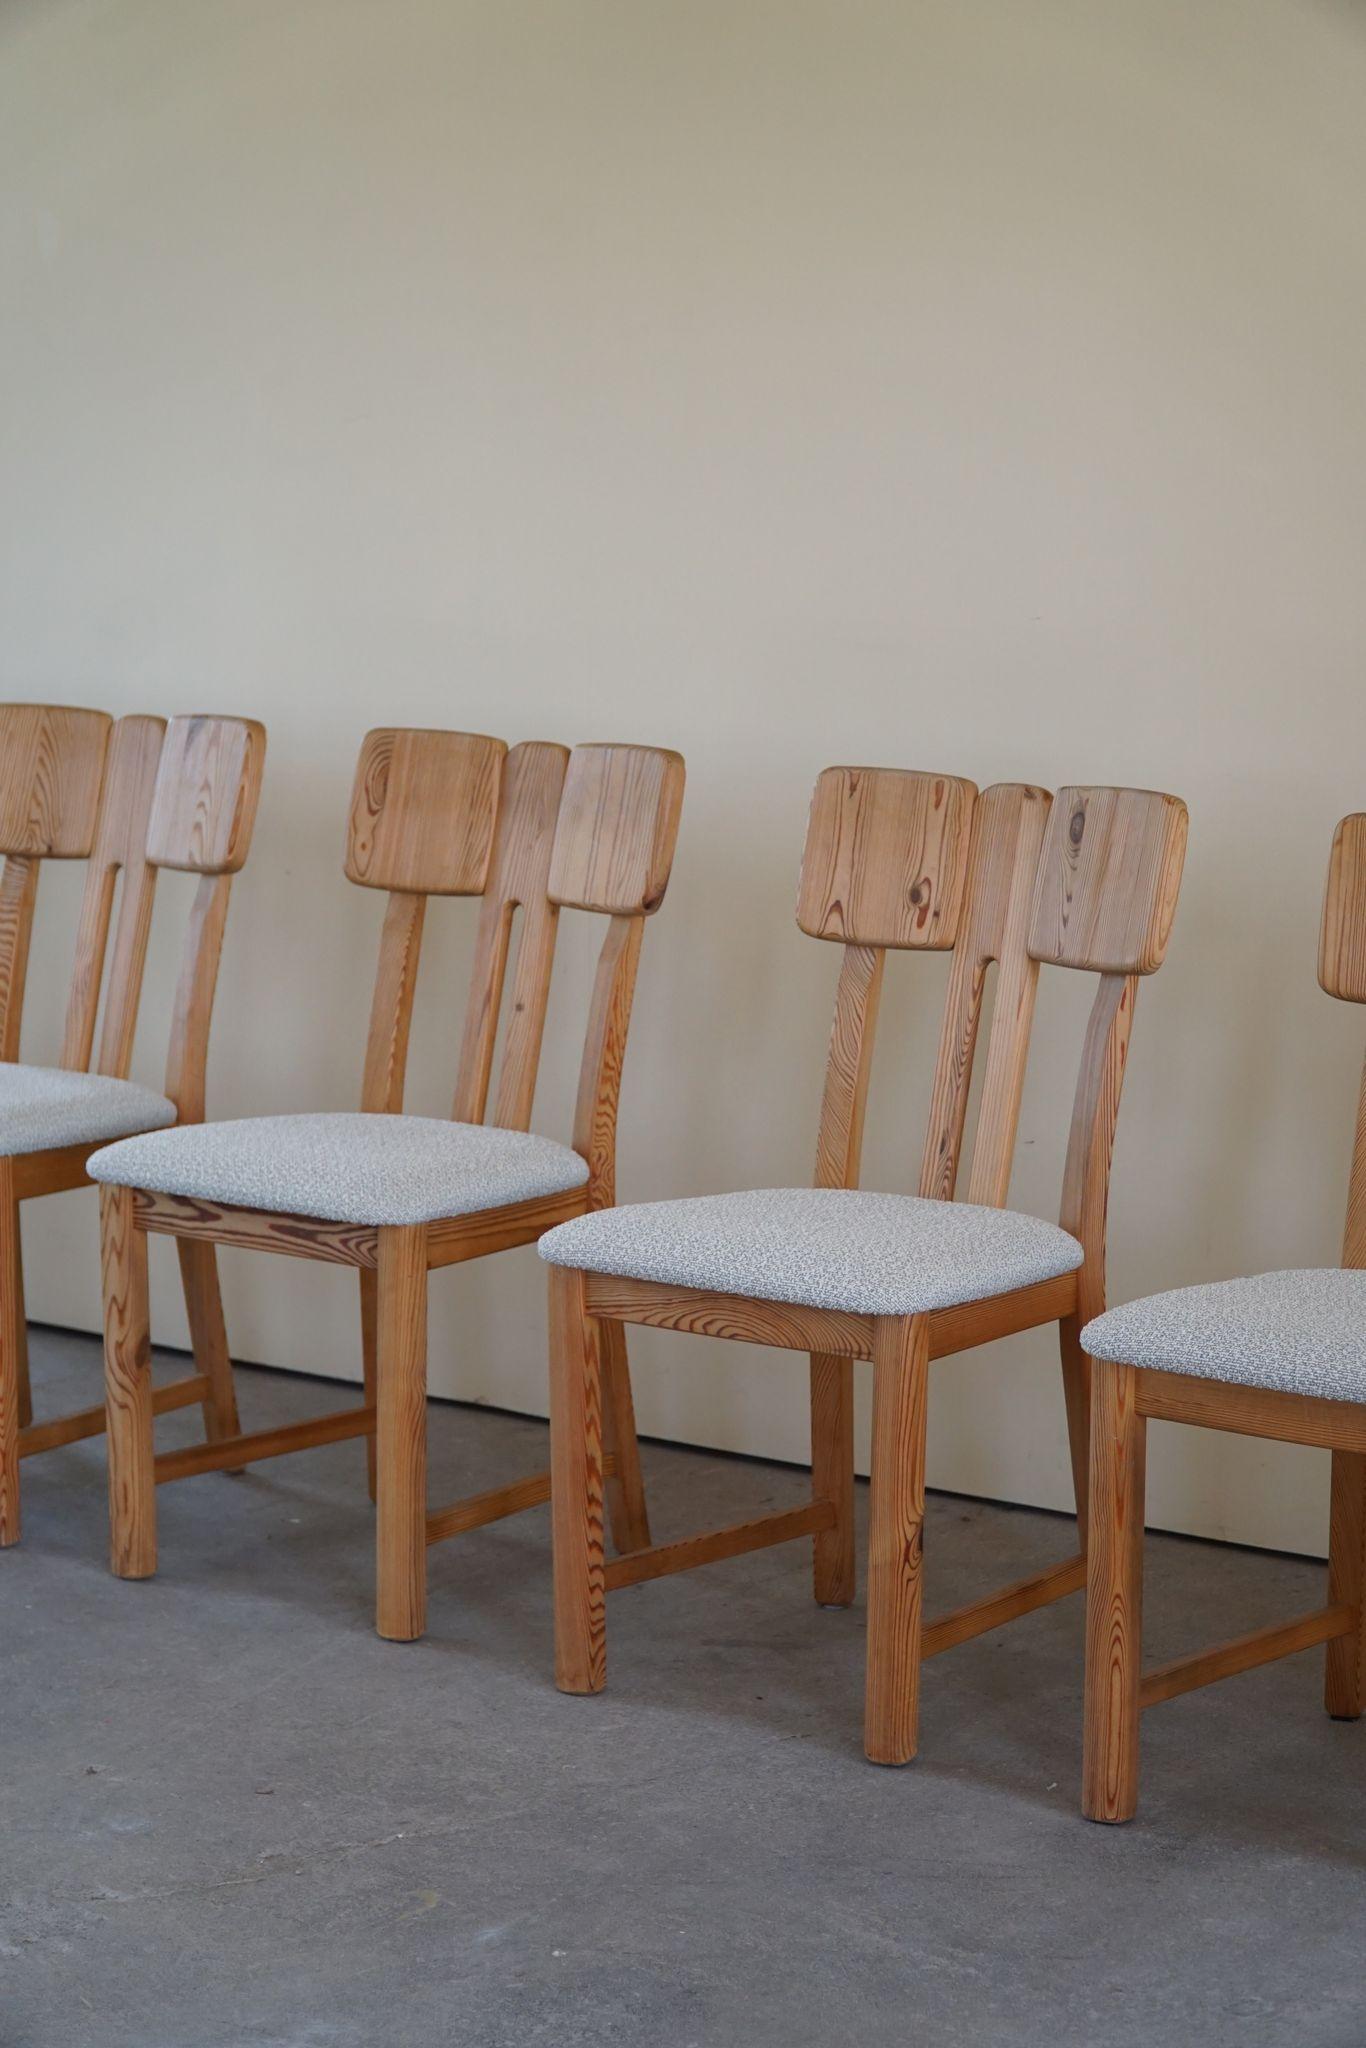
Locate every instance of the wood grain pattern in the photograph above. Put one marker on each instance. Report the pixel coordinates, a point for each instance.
(576, 1489)
(208, 1336)
(401, 1435)
(604, 1055)
(886, 858)
(617, 829)
(391, 1005)
(11, 1345)
(533, 783)
(1114, 1606)
(1007, 833)
(120, 848)
(993, 1610)
(207, 790)
(51, 766)
(128, 1389)
(87, 1422)
(187, 1056)
(1344, 1682)
(896, 1520)
(712, 1546)
(1342, 933)
(1252, 1411)
(299, 1237)
(423, 811)
(1108, 880)
(18, 900)
(1244, 1653)
(338, 1427)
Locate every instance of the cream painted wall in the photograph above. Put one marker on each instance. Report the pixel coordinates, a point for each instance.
(967, 385)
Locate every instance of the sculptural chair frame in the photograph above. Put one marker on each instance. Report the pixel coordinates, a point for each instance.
(904, 861)
(130, 799)
(433, 814)
(1282, 1356)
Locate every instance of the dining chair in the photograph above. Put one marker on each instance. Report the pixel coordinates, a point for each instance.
(537, 829)
(130, 798)
(1279, 1355)
(901, 861)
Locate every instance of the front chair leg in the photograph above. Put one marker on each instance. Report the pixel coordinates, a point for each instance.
(626, 1489)
(901, 1355)
(128, 1389)
(576, 1487)
(401, 1432)
(834, 1569)
(1114, 1595)
(209, 1337)
(13, 1356)
(1345, 1675)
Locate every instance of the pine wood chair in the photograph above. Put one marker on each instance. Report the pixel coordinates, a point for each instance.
(908, 862)
(130, 798)
(432, 814)
(1279, 1355)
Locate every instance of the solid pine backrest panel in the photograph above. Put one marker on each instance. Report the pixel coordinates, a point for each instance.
(1009, 821)
(1342, 935)
(886, 858)
(519, 877)
(207, 789)
(423, 811)
(618, 825)
(130, 779)
(1108, 880)
(51, 765)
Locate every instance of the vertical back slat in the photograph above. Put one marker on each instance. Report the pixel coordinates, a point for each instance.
(1342, 973)
(18, 897)
(848, 1066)
(120, 846)
(533, 779)
(391, 1005)
(1007, 829)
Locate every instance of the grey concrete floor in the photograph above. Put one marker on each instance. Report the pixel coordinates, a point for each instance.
(232, 1816)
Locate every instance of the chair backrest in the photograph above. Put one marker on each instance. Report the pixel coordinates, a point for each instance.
(1342, 973)
(909, 861)
(130, 797)
(535, 829)
(51, 767)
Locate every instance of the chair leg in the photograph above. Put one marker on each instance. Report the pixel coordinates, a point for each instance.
(13, 1375)
(901, 1354)
(128, 1389)
(401, 1426)
(209, 1337)
(626, 1489)
(369, 1347)
(576, 1487)
(21, 1324)
(834, 1570)
(1345, 1675)
(1114, 1597)
(1076, 1395)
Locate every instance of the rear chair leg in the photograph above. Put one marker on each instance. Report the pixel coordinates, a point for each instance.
(209, 1338)
(128, 1389)
(1114, 1597)
(834, 1571)
(13, 1374)
(1076, 1394)
(21, 1324)
(626, 1491)
(576, 1487)
(1345, 1675)
(369, 1346)
(401, 1424)
(901, 1354)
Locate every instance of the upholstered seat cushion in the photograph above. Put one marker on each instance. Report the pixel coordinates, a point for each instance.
(1299, 1332)
(840, 1248)
(44, 1108)
(346, 1168)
